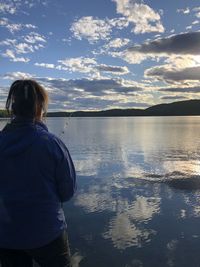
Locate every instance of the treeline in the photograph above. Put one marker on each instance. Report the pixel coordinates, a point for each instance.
(181, 108)
(103, 113)
(3, 114)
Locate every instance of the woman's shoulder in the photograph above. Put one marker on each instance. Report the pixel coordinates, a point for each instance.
(47, 138)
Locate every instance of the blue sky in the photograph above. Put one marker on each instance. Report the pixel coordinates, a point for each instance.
(93, 55)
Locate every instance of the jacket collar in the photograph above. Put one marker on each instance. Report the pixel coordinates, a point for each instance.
(18, 122)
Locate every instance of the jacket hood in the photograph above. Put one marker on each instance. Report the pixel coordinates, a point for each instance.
(18, 136)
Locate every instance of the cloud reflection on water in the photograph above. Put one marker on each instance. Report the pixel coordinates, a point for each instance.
(139, 180)
(125, 233)
(127, 229)
(128, 166)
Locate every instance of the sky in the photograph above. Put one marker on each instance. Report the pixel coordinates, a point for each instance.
(102, 54)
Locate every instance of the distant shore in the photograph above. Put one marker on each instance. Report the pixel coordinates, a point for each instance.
(181, 108)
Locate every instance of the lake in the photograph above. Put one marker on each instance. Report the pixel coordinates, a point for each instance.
(138, 197)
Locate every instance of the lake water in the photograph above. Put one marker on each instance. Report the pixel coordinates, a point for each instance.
(138, 198)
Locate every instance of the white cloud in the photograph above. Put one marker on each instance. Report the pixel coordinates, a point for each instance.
(95, 29)
(79, 64)
(45, 65)
(7, 8)
(130, 57)
(10, 54)
(119, 23)
(85, 65)
(34, 37)
(88, 65)
(144, 18)
(198, 15)
(15, 27)
(112, 47)
(31, 43)
(9, 42)
(195, 22)
(197, 11)
(117, 43)
(38, 46)
(23, 48)
(17, 75)
(181, 61)
(91, 29)
(189, 27)
(184, 10)
(30, 26)
(3, 21)
(18, 6)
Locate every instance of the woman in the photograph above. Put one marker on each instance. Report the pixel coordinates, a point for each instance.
(36, 175)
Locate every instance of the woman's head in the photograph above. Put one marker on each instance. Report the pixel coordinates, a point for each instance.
(27, 98)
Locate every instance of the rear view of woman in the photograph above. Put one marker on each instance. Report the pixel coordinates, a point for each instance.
(36, 175)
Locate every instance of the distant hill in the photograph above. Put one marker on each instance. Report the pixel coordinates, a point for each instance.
(103, 113)
(181, 108)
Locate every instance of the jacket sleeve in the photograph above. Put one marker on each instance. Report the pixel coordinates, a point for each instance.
(65, 172)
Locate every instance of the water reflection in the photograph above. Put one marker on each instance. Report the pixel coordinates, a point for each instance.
(127, 229)
(138, 193)
(76, 259)
(171, 250)
(125, 233)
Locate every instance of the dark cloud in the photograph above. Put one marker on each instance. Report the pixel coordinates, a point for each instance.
(131, 90)
(195, 89)
(115, 69)
(87, 94)
(166, 74)
(172, 97)
(93, 86)
(182, 44)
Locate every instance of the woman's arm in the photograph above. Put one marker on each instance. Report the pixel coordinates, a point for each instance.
(65, 173)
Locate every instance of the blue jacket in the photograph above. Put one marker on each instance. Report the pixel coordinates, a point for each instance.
(36, 175)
